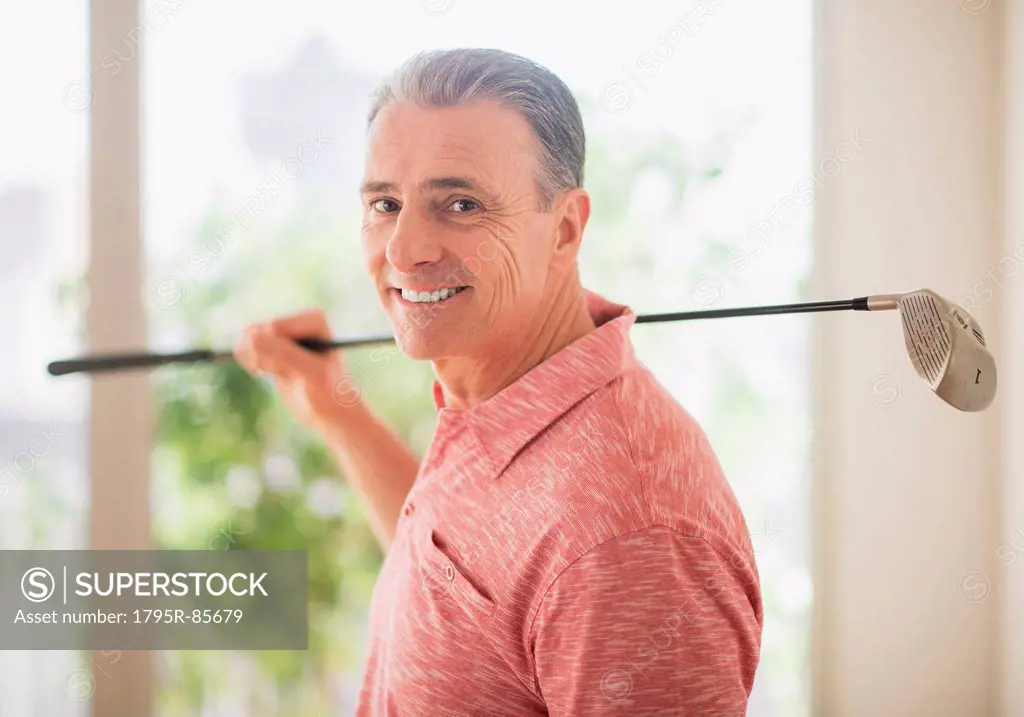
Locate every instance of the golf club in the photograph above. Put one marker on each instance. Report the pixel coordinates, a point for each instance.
(945, 344)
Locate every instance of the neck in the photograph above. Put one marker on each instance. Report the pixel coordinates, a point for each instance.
(469, 381)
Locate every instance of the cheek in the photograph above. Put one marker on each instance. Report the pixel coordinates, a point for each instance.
(471, 255)
(516, 267)
(532, 255)
(494, 266)
(374, 244)
(370, 231)
(492, 258)
(525, 265)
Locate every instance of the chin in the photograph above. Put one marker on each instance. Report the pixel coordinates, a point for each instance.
(417, 350)
(417, 345)
(432, 335)
(424, 345)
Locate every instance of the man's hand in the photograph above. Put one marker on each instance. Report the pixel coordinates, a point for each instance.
(312, 385)
(315, 386)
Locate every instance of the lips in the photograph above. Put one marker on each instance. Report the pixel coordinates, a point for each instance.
(437, 297)
(431, 297)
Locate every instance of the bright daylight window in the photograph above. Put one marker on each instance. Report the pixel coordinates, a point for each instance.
(44, 493)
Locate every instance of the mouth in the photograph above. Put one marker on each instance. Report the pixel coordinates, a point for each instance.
(438, 296)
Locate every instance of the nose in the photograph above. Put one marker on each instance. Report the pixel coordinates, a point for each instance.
(413, 244)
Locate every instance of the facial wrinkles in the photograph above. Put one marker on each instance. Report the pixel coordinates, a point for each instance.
(504, 216)
(504, 229)
(505, 221)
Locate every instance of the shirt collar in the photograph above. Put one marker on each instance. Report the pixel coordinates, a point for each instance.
(507, 421)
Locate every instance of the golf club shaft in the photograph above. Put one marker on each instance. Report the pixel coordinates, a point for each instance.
(809, 307)
(123, 361)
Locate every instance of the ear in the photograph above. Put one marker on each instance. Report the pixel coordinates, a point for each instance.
(573, 210)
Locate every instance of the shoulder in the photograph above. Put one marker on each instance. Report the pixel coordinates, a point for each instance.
(614, 477)
(634, 457)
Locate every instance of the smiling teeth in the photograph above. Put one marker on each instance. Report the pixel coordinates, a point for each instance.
(429, 297)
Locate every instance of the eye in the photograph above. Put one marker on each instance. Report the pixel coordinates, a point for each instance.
(384, 205)
(463, 204)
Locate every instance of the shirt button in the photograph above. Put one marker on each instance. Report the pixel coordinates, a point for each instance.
(408, 509)
(449, 572)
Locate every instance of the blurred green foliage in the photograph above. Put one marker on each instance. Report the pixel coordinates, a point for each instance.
(233, 470)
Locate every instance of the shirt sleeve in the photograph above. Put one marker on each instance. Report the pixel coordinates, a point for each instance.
(650, 623)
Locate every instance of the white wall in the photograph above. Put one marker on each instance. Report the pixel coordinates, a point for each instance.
(908, 490)
(1011, 596)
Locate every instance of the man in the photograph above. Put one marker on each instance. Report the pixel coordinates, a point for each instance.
(568, 545)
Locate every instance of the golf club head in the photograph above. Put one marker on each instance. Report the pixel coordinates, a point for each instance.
(947, 349)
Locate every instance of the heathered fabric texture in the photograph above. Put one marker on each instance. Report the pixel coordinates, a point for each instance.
(569, 547)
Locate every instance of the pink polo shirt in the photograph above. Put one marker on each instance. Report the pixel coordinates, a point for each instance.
(570, 547)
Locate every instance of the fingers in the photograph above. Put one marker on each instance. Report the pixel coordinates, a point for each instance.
(312, 323)
(270, 346)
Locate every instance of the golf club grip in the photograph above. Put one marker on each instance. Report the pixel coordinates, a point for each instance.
(118, 362)
(320, 345)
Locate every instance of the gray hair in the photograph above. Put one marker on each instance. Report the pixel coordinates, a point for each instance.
(447, 78)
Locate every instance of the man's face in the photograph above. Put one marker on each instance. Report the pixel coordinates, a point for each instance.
(450, 200)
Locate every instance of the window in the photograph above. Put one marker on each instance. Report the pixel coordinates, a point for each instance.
(699, 129)
(44, 494)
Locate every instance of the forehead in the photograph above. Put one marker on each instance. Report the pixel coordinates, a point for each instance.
(486, 140)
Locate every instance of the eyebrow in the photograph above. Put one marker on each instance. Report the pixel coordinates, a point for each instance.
(371, 187)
